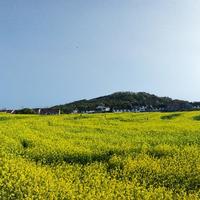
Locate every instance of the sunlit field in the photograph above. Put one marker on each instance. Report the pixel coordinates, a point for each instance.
(100, 156)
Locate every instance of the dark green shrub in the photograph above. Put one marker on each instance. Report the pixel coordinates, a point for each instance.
(25, 111)
(197, 118)
(171, 116)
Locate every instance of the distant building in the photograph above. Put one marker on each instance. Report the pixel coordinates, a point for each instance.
(75, 111)
(37, 110)
(140, 109)
(49, 111)
(116, 110)
(196, 107)
(89, 111)
(102, 108)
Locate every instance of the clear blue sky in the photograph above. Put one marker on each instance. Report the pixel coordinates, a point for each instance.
(57, 51)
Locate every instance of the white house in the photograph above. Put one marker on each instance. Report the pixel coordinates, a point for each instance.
(102, 109)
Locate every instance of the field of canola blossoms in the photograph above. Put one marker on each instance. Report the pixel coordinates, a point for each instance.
(100, 156)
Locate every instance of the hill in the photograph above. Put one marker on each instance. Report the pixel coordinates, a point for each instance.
(126, 101)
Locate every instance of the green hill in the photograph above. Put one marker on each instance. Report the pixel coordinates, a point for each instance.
(125, 101)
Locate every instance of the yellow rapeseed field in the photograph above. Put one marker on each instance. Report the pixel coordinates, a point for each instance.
(100, 156)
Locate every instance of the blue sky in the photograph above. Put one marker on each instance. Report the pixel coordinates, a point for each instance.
(57, 51)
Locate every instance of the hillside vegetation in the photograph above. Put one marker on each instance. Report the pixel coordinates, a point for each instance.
(129, 101)
(100, 156)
